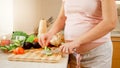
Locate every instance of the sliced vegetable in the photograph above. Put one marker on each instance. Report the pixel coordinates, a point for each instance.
(48, 51)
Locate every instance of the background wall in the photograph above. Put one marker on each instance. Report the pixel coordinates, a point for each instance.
(6, 16)
(50, 8)
(28, 13)
(118, 12)
(25, 15)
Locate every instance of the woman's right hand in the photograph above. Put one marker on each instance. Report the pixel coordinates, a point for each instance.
(44, 39)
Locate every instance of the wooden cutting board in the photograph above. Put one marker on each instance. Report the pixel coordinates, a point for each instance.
(35, 55)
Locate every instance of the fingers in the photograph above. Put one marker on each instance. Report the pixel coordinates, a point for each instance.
(66, 49)
(47, 42)
(42, 40)
(63, 49)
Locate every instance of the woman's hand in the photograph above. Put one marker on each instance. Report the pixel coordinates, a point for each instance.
(70, 47)
(44, 39)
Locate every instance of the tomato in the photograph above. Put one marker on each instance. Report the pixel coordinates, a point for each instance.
(5, 42)
(18, 50)
(35, 39)
(15, 51)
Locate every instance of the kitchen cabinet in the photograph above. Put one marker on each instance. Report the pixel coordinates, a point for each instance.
(116, 52)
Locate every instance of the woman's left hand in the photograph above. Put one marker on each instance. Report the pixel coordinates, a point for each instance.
(69, 47)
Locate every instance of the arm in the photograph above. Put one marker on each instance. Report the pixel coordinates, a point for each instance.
(59, 23)
(109, 13)
(57, 26)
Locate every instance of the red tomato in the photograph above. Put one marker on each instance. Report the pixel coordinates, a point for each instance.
(5, 42)
(14, 51)
(18, 50)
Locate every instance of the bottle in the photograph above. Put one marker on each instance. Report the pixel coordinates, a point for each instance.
(42, 27)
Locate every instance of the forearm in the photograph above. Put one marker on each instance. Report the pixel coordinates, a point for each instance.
(109, 15)
(57, 26)
(97, 32)
(59, 23)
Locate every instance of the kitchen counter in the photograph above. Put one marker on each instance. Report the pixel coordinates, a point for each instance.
(4, 63)
(117, 2)
(115, 33)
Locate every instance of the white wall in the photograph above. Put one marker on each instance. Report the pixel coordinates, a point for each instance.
(118, 23)
(6, 16)
(26, 15)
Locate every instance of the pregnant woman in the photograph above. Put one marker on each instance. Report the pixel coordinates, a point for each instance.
(87, 25)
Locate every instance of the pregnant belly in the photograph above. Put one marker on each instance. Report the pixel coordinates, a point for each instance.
(88, 47)
(75, 30)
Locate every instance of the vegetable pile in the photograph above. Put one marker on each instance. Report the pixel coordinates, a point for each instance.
(11, 46)
(21, 41)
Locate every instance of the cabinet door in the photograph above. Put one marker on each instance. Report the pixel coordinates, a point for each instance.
(116, 52)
